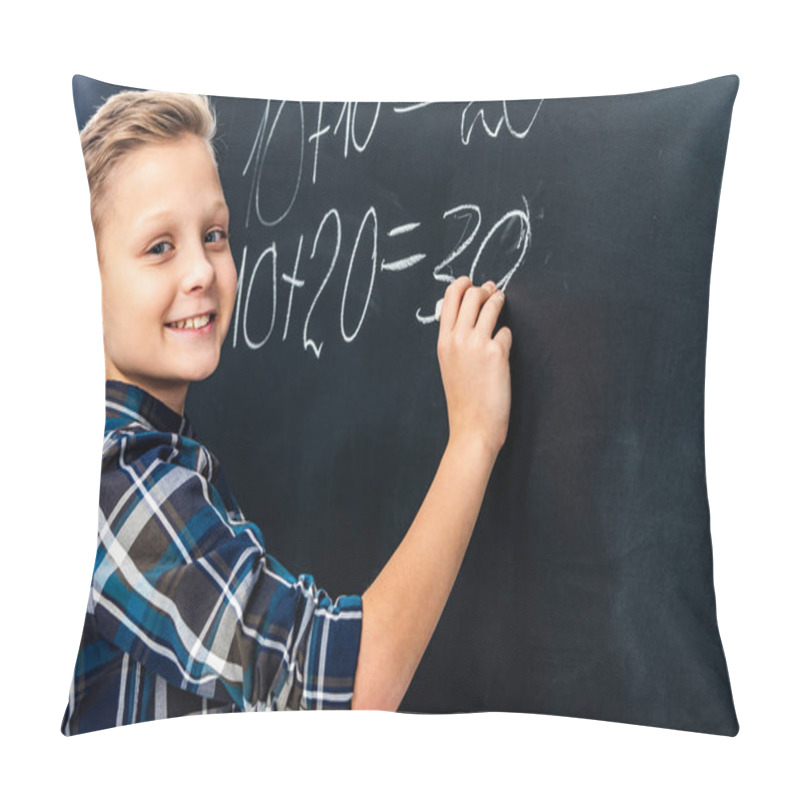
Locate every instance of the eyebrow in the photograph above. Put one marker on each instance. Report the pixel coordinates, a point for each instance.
(167, 214)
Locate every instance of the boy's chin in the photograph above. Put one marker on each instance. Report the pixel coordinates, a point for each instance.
(200, 373)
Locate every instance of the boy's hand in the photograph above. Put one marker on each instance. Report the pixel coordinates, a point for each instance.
(474, 364)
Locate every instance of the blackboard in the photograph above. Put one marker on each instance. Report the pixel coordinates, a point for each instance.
(586, 589)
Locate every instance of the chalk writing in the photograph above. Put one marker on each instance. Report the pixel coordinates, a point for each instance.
(473, 215)
(283, 191)
(370, 215)
(408, 108)
(349, 115)
(285, 279)
(334, 215)
(260, 149)
(475, 112)
(398, 265)
(513, 229)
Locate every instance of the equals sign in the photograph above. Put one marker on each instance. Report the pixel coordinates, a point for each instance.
(402, 263)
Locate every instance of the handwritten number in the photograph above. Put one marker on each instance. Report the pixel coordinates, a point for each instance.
(308, 342)
(271, 250)
(370, 214)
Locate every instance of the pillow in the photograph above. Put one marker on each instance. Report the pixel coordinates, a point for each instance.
(587, 589)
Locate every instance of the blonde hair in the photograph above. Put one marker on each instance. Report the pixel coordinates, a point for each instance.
(132, 119)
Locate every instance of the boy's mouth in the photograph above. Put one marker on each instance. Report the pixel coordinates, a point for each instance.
(192, 323)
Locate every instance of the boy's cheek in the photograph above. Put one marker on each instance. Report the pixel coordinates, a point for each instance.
(228, 295)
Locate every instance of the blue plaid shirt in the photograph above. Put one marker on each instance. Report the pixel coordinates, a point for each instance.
(187, 612)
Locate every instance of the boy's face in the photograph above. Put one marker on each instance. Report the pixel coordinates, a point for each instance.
(167, 274)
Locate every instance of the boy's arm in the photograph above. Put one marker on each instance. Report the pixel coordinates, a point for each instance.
(402, 607)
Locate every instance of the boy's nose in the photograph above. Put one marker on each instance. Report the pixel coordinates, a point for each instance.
(199, 273)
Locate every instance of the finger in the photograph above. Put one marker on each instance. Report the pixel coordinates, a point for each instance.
(503, 338)
(452, 302)
(487, 319)
(473, 300)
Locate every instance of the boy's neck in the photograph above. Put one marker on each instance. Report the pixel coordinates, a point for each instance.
(172, 394)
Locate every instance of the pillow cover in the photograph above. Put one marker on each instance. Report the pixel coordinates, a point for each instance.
(587, 589)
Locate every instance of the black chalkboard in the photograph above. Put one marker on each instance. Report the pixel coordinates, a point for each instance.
(587, 587)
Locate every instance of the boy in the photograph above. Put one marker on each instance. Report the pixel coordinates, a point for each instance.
(188, 613)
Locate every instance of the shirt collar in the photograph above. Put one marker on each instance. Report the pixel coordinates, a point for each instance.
(125, 401)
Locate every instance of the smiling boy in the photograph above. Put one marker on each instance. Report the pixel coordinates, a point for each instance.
(168, 277)
(188, 612)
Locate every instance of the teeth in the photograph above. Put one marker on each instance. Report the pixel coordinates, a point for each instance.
(194, 322)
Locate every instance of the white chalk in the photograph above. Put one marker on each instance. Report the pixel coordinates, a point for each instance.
(437, 314)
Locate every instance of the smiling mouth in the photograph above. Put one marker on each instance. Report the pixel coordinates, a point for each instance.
(192, 323)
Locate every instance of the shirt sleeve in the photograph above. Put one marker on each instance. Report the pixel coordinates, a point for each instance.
(186, 587)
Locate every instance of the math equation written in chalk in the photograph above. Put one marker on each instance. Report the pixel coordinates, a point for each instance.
(294, 262)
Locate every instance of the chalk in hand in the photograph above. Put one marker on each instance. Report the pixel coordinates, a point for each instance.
(437, 314)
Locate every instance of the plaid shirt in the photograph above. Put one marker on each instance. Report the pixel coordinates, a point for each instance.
(187, 612)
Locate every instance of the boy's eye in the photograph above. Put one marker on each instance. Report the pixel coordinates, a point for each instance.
(159, 248)
(215, 236)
